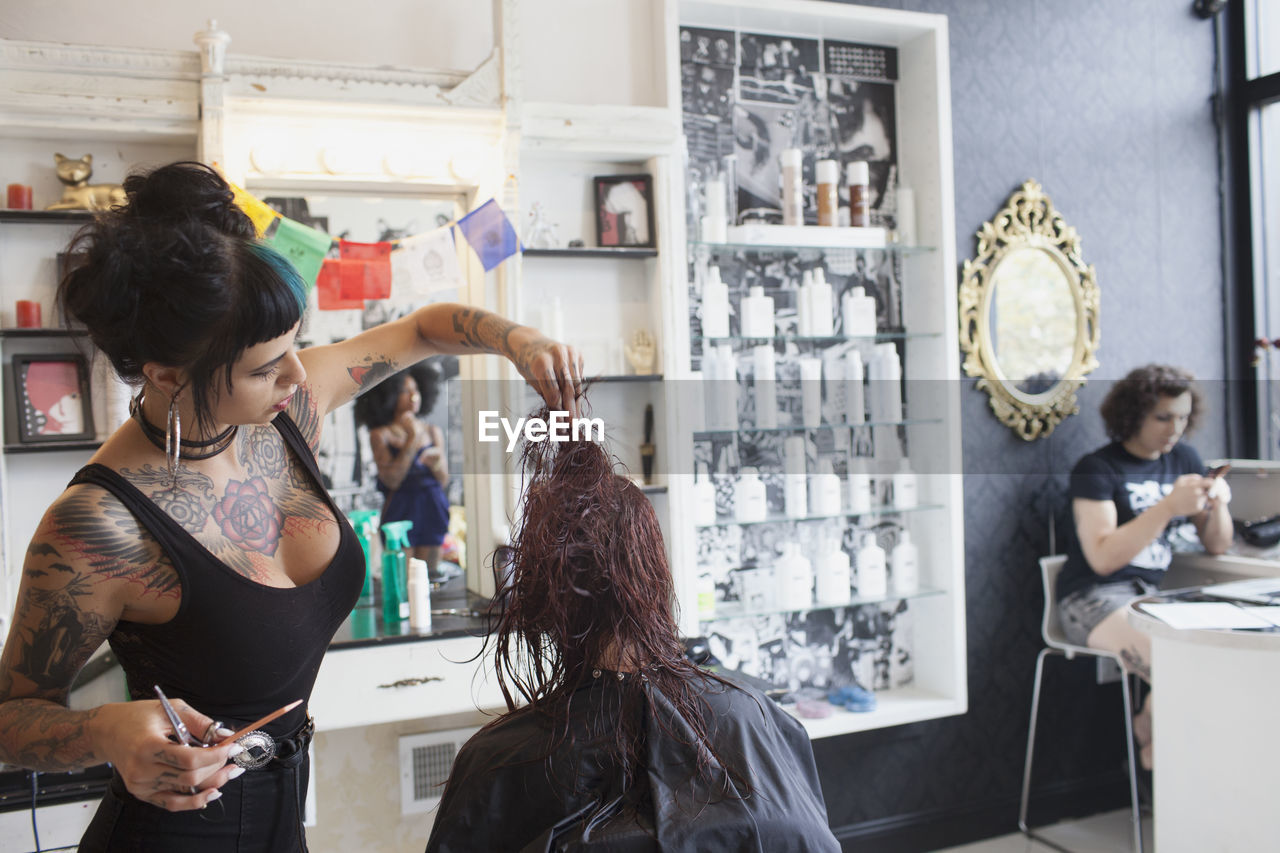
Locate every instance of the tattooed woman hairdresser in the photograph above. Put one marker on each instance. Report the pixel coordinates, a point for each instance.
(199, 541)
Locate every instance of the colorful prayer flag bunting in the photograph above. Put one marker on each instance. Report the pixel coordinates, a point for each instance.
(490, 234)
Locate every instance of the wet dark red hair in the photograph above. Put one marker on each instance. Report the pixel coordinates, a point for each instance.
(590, 591)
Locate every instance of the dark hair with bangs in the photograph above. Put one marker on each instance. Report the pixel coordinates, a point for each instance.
(1132, 398)
(590, 589)
(177, 276)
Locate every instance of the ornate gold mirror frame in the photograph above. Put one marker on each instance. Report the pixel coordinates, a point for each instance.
(1028, 221)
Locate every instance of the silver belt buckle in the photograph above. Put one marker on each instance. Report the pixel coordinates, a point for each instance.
(259, 748)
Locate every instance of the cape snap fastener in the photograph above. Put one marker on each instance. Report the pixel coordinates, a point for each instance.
(259, 748)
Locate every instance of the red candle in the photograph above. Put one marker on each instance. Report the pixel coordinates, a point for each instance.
(28, 313)
(19, 197)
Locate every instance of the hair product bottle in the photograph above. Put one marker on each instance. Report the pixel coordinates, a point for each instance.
(749, 497)
(419, 596)
(855, 402)
(885, 375)
(794, 577)
(824, 490)
(858, 177)
(903, 566)
(804, 305)
(858, 310)
(706, 591)
(859, 487)
(872, 576)
(715, 305)
(821, 306)
(905, 487)
(757, 313)
(794, 489)
(811, 390)
(704, 497)
(827, 174)
(766, 386)
(395, 592)
(365, 524)
(834, 576)
(792, 161)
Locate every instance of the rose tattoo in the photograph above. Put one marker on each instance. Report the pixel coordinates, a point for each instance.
(248, 517)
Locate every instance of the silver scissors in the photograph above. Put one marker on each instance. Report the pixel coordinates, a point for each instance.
(180, 732)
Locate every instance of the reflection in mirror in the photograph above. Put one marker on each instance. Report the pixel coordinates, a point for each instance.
(345, 455)
(1029, 314)
(1033, 319)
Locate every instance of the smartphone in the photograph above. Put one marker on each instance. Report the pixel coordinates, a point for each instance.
(1218, 472)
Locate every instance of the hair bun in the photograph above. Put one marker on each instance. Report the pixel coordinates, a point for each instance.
(187, 190)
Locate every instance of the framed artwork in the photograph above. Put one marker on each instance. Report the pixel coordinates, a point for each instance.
(52, 398)
(624, 211)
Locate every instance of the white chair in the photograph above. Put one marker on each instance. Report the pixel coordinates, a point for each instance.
(1056, 644)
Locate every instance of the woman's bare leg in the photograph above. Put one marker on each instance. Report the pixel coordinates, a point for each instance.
(1115, 634)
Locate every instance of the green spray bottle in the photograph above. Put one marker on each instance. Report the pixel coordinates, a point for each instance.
(395, 580)
(365, 522)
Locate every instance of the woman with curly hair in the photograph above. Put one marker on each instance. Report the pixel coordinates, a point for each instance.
(409, 453)
(613, 739)
(1126, 500)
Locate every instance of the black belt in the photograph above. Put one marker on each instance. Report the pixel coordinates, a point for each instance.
(262, 750)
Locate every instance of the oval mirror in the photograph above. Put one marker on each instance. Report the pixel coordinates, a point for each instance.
(1029, 314)
(1032, 320)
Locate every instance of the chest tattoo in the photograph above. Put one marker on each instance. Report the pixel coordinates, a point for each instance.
(248, 517)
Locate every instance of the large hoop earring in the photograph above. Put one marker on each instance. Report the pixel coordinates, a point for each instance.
(173, 437)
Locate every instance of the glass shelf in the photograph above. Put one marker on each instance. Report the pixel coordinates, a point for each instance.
(735, 610)
(51, 446)
(709, 433)
(46, 217)
(586, 252)
(43, 333)
(775, 519)
(825, 339)
(817, 250)
(626, 377)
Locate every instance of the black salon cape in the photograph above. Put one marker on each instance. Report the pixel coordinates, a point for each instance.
(499, 797)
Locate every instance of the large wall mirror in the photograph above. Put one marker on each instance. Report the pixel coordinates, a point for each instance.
(344, 456)
(1029, 314)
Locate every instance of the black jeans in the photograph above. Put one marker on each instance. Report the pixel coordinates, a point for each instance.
(261, 812)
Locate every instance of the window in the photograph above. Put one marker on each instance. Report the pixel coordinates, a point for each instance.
(1252, 165)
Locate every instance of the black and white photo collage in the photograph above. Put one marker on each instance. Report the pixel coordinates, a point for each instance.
(747, 97)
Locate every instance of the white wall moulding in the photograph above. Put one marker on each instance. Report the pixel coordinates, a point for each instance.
(78, 91)
(577, 130)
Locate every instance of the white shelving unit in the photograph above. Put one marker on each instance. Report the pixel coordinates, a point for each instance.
(604, 296)
(928, 336)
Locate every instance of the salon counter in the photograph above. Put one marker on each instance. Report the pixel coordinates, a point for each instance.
(372, 676)
(1215, 756)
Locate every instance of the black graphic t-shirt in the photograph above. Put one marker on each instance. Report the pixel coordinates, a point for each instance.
(1134, 485)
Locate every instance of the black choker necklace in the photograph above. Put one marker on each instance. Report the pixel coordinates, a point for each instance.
(206, 449)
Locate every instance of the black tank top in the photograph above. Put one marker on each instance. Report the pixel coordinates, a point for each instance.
(236, 650)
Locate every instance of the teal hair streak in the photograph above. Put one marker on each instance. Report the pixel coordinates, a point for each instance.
(283, 268)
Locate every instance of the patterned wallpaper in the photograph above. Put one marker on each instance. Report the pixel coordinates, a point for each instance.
(1108, 106)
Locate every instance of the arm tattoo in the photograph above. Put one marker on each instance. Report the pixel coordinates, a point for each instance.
(99, 528)
(482, 330)
(51, 651)
(368, 375)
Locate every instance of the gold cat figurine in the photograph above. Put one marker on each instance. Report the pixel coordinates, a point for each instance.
(79, 194)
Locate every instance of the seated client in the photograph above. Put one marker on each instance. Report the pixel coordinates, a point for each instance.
(613, 740)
